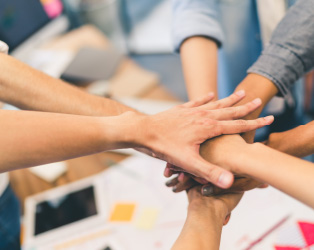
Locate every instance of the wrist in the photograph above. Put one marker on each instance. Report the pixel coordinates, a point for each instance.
(208, 209)
(247, 157)
(238, 157)
(125, 130)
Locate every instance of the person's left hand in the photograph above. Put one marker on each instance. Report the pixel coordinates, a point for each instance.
(221, 205)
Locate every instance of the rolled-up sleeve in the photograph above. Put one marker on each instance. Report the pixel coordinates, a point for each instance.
(290, 53)
(195, 18)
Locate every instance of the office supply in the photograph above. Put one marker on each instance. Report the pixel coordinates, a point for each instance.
(92, 64)
(49, 172)
(64, 211)
(147, 218)
(122, 212)
(25, 25)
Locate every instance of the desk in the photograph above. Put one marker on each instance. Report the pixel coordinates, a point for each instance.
(25, 183)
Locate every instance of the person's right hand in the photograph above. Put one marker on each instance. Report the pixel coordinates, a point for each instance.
(176, 134)
(184, 181)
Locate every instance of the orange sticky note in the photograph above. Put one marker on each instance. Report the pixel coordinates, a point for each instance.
(122, 212)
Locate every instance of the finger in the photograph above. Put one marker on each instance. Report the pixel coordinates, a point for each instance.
(228, 101)
(183, 177)
(200, 180)
(263, 185)
(239, 185)
(241, 126)
(168, 172)
(236, 112)
(172, 182)
(185, 185)
(198, 102)
(212, 173)
(177, 169)
(227, 219)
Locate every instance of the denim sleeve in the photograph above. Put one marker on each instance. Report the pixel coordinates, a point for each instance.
(195, 18)
(290, 53)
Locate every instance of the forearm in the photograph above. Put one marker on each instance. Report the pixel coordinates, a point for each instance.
(286, 173)
(256, 86)
(34, 138)
(202, 230)
(297, 142)
(27, 88)
(199, 62)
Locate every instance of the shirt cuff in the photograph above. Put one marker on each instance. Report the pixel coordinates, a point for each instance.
(282, 67)
(189, 24)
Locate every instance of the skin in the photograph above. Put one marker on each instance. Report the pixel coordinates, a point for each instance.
(199, 56)
(296, 142)
(30, 89)
(264, 90)
(50, 137)
(205, 219)
(195, 122)
(265, 164)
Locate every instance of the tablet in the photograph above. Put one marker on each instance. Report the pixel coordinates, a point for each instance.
(65, 211)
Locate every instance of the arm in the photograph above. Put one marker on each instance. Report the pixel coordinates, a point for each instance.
(297, 142)
(205, 219)
(284, 172)
(27, 88)
(197, 35)
(290, 52)
(32, 138)
(199, 57)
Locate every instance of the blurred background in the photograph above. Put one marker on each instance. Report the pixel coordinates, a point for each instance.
(139, 28)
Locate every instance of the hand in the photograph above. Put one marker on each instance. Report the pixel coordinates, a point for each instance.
(296, 142)
(215, 151)
(221, 205)
(176, 135)
(185, 181)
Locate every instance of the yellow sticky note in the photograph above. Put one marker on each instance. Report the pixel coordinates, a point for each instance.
(122, 212)
(147, 218)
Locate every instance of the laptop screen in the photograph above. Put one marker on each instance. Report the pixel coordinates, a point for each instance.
(20, 19)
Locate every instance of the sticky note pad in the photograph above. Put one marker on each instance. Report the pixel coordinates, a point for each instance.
(147, 218)
(122, 212)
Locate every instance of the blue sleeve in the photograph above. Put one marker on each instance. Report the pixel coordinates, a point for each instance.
(290, 53)
(195, 18)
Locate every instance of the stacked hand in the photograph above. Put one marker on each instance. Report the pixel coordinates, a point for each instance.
(176, 135)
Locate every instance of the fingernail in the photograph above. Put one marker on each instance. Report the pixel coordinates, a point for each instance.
(225, 180)
(202, 181)
(257, 101)
(240, 93)
(174, 189)
(181, 177)
(207, 190)
(167, 172)
(269, 118)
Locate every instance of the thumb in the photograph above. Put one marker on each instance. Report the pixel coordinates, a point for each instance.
(210, 172)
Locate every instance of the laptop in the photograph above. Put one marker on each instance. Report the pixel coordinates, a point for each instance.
(26, 25)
